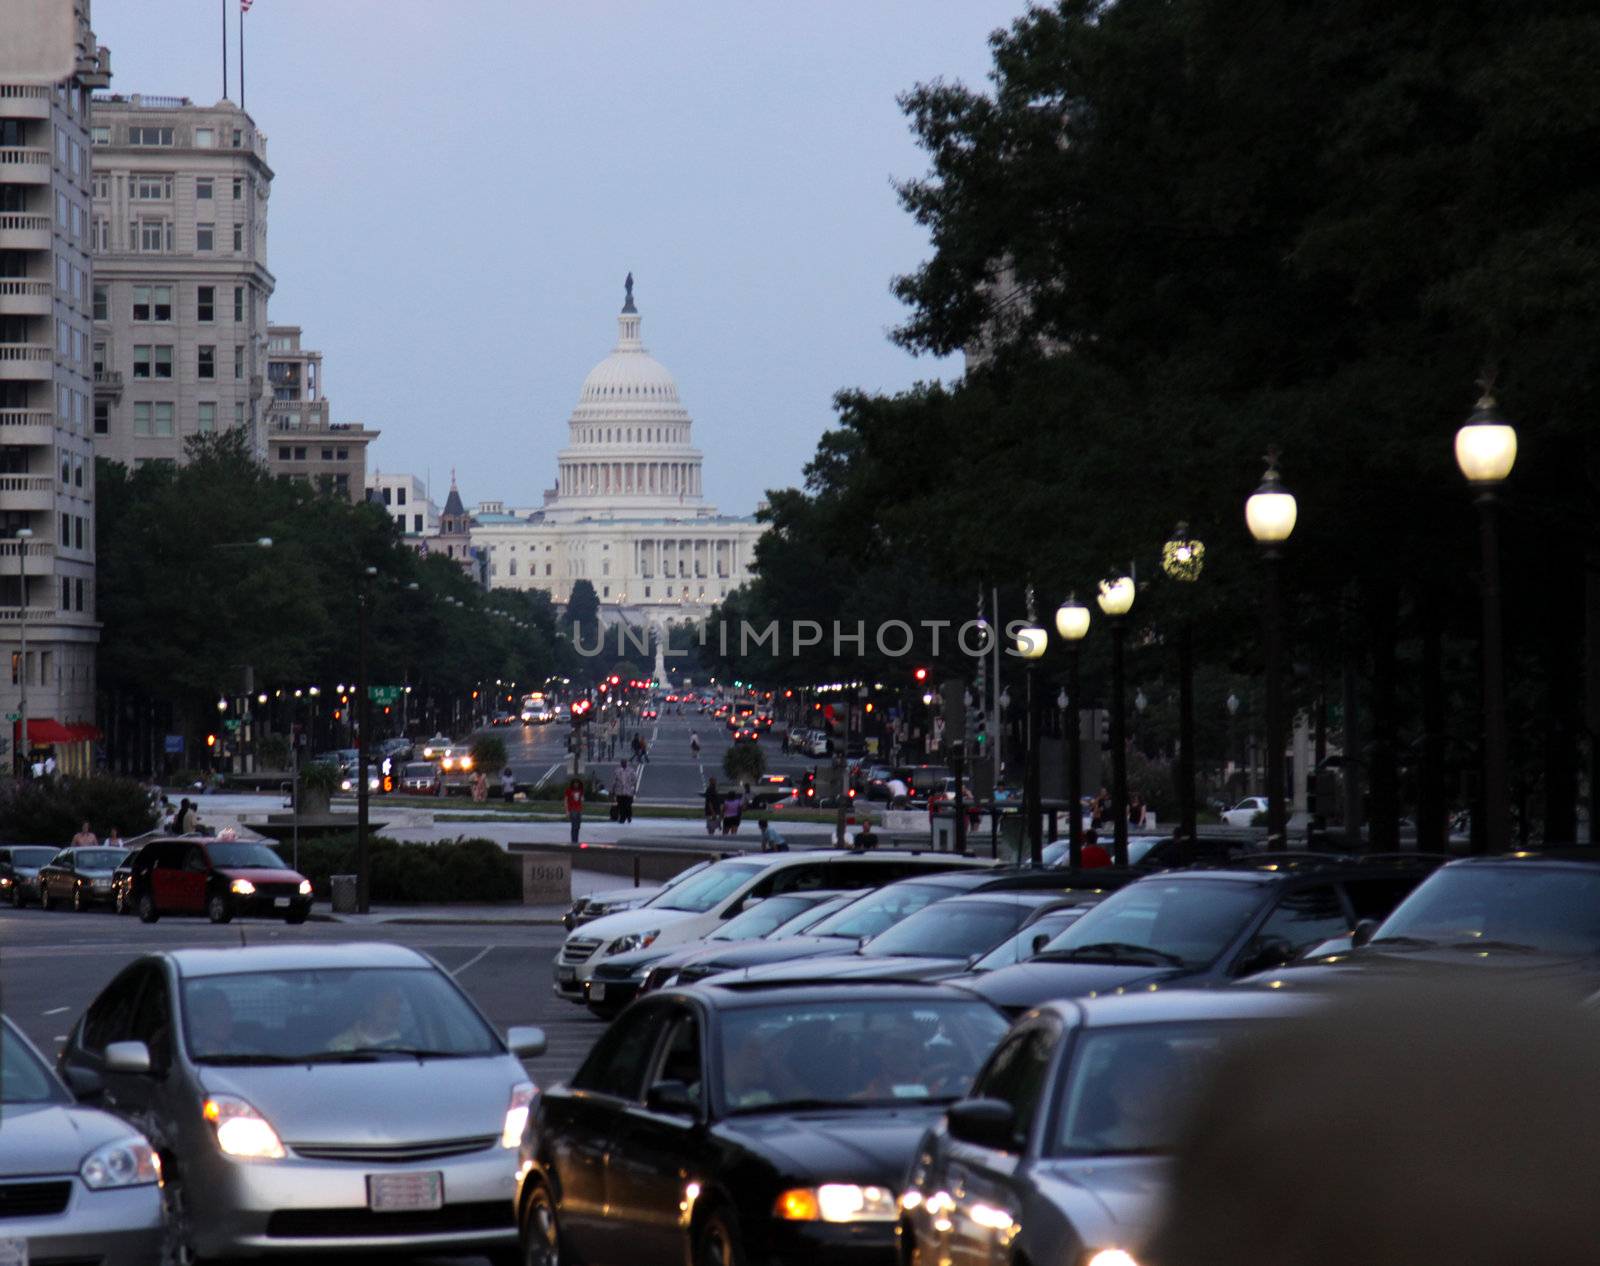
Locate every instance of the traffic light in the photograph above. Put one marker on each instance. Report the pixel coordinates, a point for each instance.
(920, 675)
(211, 740)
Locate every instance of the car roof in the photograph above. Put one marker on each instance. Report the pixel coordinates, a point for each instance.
(1268, 868)
(1577, 857)
(1002, 897)
(193, 963)
(1155, 1005)
(740, 994)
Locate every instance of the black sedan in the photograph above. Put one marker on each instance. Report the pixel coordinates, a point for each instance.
(19, 871)
(722, 1125)
(80, 877)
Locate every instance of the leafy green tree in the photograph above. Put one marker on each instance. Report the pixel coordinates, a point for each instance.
(489, 754)
(744, 763)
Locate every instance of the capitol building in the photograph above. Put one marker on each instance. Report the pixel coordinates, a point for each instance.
(627, 512)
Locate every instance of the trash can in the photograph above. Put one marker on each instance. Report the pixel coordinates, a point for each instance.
(346, 893)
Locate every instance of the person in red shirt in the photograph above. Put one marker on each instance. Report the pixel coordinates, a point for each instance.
(1094, 854)
(575, 807)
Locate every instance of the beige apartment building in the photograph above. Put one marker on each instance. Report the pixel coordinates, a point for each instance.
(301, 442)
(47, 595)
(181, 279)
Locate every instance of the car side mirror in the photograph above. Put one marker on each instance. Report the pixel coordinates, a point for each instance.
(127, 1057)
(87, 1086)
(671, 1098)
(984, 1123)
(1361, 934)
(1040, 941)
(1264, 955)
(526, 1041)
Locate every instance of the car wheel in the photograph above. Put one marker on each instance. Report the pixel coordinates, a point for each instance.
(717, 1241)
(44, 896)
(177, 1247)
(296, 916)
(217, 909)
(146, 906)
(540, 1231)
(77, 899)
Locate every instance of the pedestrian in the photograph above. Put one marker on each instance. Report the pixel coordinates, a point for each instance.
(644, 751)
(480, 788)
(623, 785)
(85, 837)
(866, 838)
(508, 783)
(694, 743)
(574, 803)
(771, 841)
(1136, 810)
(183, 821)
(732, 807)
(785, 742)
(1093, 853)
(50, 764)
(114, 839)
(713, 799)
(898, 792)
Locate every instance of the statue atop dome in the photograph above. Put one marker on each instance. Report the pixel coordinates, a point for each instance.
(627, 286)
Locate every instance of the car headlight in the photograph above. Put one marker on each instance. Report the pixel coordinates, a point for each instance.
(466, 762)
(633, 941)
(242, 887)
(305, 887)
(241, 1130)
(5, 881)
(129, 1162)
(344, 784)
(517, 1114)
(1110, 1257)
(447, 763)
(836, 1202)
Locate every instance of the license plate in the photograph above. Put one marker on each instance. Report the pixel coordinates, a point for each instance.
(597, 992)
(396, 1193)
(566, 975)
(13, 1252)
(281, 903)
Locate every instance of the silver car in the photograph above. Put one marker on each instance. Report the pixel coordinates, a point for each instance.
(316, 1099)
(76, 1184)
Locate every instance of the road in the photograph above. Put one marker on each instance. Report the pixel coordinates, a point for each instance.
(52, 965)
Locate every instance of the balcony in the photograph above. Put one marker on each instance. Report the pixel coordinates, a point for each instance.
(108, 384)
(24, 101)
(27, 426)
(28, 492)
(21, 165)
(32, 549)
(31, 361)
(24, 298)
(23, 232)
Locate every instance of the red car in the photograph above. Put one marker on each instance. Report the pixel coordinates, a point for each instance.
(649, 714)
(216, 878)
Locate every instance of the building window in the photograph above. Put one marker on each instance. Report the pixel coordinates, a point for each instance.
(238, 361)
(416, 523)
(66, 598)
(238, 303)
(102, 417)
(150, 188)
(341, 485)
(100, 135)
(208, 361)
(399, 497)
(606, 592)
(152, 303)
(646, 589)
(205, 303)
(205, 138)
(547, 571)
(102, 303)
(283, 452)
(77, 531)
(141, 418)
(386, 495)
(238, 137)
(238, 188)
(299, 454)
(206, 416)
(238, 413)
(77, 472)
(513, 568)
(238, 237)
(327, 454)
(205, 237)
(152, 236)
(341, 454)
(77, 587)
(161, 419)
(202, 188)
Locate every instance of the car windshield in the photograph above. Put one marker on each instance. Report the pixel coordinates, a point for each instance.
(824, 1054)
(1129, 1089)
(31, 856)
(1191, 922)
(240, 853)
(803, 923)
(878, 911)
(690, 873)
(1025, 942)
(98, 858)
(708, 889)
(23, 1077)
(330, 1015)
(950, 929)
(420, 769)
(761, 918)
(1551, 908)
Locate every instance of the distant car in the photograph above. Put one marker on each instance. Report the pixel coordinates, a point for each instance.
(78, 1184)
(349, 784)
(1244, 813)
(744, 734)
(395, 749)
(421, 778)
(216, 878)
(503, 718)
(19, 871)
(80, 877)
(815, 743)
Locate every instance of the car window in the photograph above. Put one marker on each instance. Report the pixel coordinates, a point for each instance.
(1551, 908)
(616, 1066)
(680, 1054)
(244, 853)
(1193, 920)
(1302, 918)
(194, 858)
(63, 858)
(110, 1016)
(1374, 898)
(708, 889)
(23, 1077)
(1016, 1072)
(151, 1021)
(880, 910)
(795, 879)
(950, 929)
(761, 918)
(1027, 941)
(169, 855)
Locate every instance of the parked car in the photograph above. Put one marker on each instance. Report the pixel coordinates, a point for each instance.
(757, 1125)
(1062, 1152)
(1244, 813)
(78, 1184)
(612, 900)
(216, 878)
(19, 871)
(421, 778)
(661, 972)
(350, 785)
(79, 877)
(313, 1098)
(1205, 926)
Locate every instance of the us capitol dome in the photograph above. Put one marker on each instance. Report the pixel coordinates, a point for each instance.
(627, 511)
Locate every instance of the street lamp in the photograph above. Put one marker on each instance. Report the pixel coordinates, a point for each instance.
(1031, 641)
(1072, 623)
(1182, 559)
(1116, 600)
(1270, 513)
(1486, 450)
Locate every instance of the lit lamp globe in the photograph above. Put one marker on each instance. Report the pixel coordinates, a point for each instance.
(1271, 511)
(1116, 596)
(1072, 620)
(1031, 642)
(1486, 446)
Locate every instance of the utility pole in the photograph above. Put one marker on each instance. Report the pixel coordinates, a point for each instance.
(363, 863)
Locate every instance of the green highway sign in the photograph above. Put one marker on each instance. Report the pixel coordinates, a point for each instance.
(231, 724)
(384, 696)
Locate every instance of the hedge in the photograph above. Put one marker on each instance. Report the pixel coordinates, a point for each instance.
(452, 870)
(50, 810)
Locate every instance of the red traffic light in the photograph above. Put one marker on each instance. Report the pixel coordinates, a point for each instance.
(615, 679)
(921, 675)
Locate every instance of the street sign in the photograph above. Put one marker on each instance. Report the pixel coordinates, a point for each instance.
(383, 696)
(174, 744)
(230, 724)
(13, 716)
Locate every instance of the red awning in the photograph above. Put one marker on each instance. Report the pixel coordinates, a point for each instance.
(47, 730)
(84, 733)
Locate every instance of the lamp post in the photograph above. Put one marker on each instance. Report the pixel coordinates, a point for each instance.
(1031, 641)
(1486, 450)
(1270, 514)
(1072, 623)
(24, 539)
(1182, 559)
(1116, 600)
(363, 866)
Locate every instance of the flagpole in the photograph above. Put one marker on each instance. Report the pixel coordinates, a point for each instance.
(242, 11)
(224, 49)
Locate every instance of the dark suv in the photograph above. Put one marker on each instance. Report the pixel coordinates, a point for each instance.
(1206, 926)
(216, 878)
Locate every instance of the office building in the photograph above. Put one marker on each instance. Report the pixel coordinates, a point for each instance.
(301, 441)
(405, 498)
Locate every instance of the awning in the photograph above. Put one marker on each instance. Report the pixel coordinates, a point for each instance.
(47, 730)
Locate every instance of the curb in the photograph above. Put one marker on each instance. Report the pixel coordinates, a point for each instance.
(437, 921)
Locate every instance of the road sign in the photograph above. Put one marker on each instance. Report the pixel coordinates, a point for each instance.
(231, 724)
(383, 696)
(13, 716)
(174, 744)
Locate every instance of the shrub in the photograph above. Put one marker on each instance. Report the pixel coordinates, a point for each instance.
(744, 762)
(489, 754)
(452, 870)
(51, 810)
(272, 752)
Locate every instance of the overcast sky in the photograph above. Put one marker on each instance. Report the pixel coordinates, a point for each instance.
(461, 185)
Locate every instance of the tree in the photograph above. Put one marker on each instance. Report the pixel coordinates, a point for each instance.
(744, 763)
(488, 754)
(582, 616)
